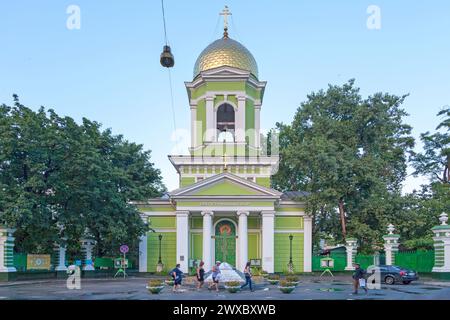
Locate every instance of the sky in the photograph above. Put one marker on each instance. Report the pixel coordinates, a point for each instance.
(108, 70)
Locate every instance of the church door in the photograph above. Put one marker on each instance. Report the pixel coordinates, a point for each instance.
(226, 242)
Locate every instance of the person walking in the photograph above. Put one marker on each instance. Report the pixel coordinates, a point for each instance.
(200, 275)
(177, 276)
(359, 279)
(215, 276)
(248, 277)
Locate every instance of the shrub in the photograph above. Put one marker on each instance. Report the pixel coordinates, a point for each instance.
(274, 277)
(232, 284)
(155, 283)
(291, 278)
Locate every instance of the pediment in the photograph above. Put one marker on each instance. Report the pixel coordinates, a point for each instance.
(225, 185)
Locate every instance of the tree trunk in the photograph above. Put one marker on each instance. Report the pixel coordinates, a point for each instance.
(342, 215)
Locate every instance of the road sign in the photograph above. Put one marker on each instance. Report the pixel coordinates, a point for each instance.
(124, 248)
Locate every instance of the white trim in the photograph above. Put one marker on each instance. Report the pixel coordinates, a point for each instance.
(182, 235)
(158, 213)
(289, 214)
(225, 209)
(289, 231)
(307, 244)
(268, 252)
(143, 251)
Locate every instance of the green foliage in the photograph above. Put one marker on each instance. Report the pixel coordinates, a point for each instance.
(60, 179)
(350, 154)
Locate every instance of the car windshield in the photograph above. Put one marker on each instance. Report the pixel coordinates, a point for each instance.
(396, 268)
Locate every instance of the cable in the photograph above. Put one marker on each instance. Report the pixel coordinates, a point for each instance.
(164, 22)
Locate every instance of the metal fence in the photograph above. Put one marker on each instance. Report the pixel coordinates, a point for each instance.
(420, 261)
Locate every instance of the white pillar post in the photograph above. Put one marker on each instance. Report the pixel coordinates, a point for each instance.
(243, 239)
(143, 240)
(257, 127)
(183, 240)
(210, 130)
(88, 245)
(240, 120)
(442, 246)
(390, 245)
(268, 234)
(207, 232)
(351, 245)
(307, 244)
(61, 249)
(7, 249)
(193, 125)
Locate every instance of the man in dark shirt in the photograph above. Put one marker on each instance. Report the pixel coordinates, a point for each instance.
(177, 276)
(358, 274)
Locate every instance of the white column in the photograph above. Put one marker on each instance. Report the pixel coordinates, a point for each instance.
(207, 231)
(351, 245)
(240, 120)
(193, 126)
(210, 130)
(257, 127)
(268, 233)
(61, 258)
(183, 240)
(307, 244)
(242, 239)
(143, 253)
(442, 245)
(87, 245)
(390, 245)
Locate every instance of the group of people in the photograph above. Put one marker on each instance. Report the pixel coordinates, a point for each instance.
(177, 276)
(359, 277)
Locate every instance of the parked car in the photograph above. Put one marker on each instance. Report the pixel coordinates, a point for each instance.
(393, 274)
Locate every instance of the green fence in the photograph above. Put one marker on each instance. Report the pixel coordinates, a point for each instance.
(420, 261)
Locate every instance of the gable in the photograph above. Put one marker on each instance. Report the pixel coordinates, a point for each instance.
(226, 188)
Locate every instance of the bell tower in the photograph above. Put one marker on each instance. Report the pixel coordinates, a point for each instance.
(225, 99)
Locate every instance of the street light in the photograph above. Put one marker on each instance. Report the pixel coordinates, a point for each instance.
(160, 238)
(290, 248)
(290, 264)
(160, 265)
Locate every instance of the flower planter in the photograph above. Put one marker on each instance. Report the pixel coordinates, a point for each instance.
(273, 281)
(286, 289)
(169, 282)
(233, 289)
(155, 290)
(293, 283)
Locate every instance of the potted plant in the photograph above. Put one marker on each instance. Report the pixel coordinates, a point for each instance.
(232, 286)
(286, 287)
(273, 279)
(155, 286)
(169, 281)
(292, 280)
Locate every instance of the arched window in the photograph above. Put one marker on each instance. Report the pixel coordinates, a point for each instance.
(225, 123)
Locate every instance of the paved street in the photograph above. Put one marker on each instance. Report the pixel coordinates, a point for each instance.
(134, 288)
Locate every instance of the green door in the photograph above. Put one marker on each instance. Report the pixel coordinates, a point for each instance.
(226, 242)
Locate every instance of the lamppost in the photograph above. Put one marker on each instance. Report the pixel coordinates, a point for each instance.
(290, 264)
(160, 265)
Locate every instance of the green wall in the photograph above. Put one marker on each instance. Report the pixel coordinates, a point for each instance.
(196, 250)
(289, 223)
(254, 245)
(168, 250)
(159, 222)
(282, 252)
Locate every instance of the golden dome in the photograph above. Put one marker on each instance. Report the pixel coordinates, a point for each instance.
(225, 52)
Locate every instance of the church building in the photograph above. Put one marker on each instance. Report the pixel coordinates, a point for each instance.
(225, 209)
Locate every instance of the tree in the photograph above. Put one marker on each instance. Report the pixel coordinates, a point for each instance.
(350, 154)
(434, 162)
(61, 180)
